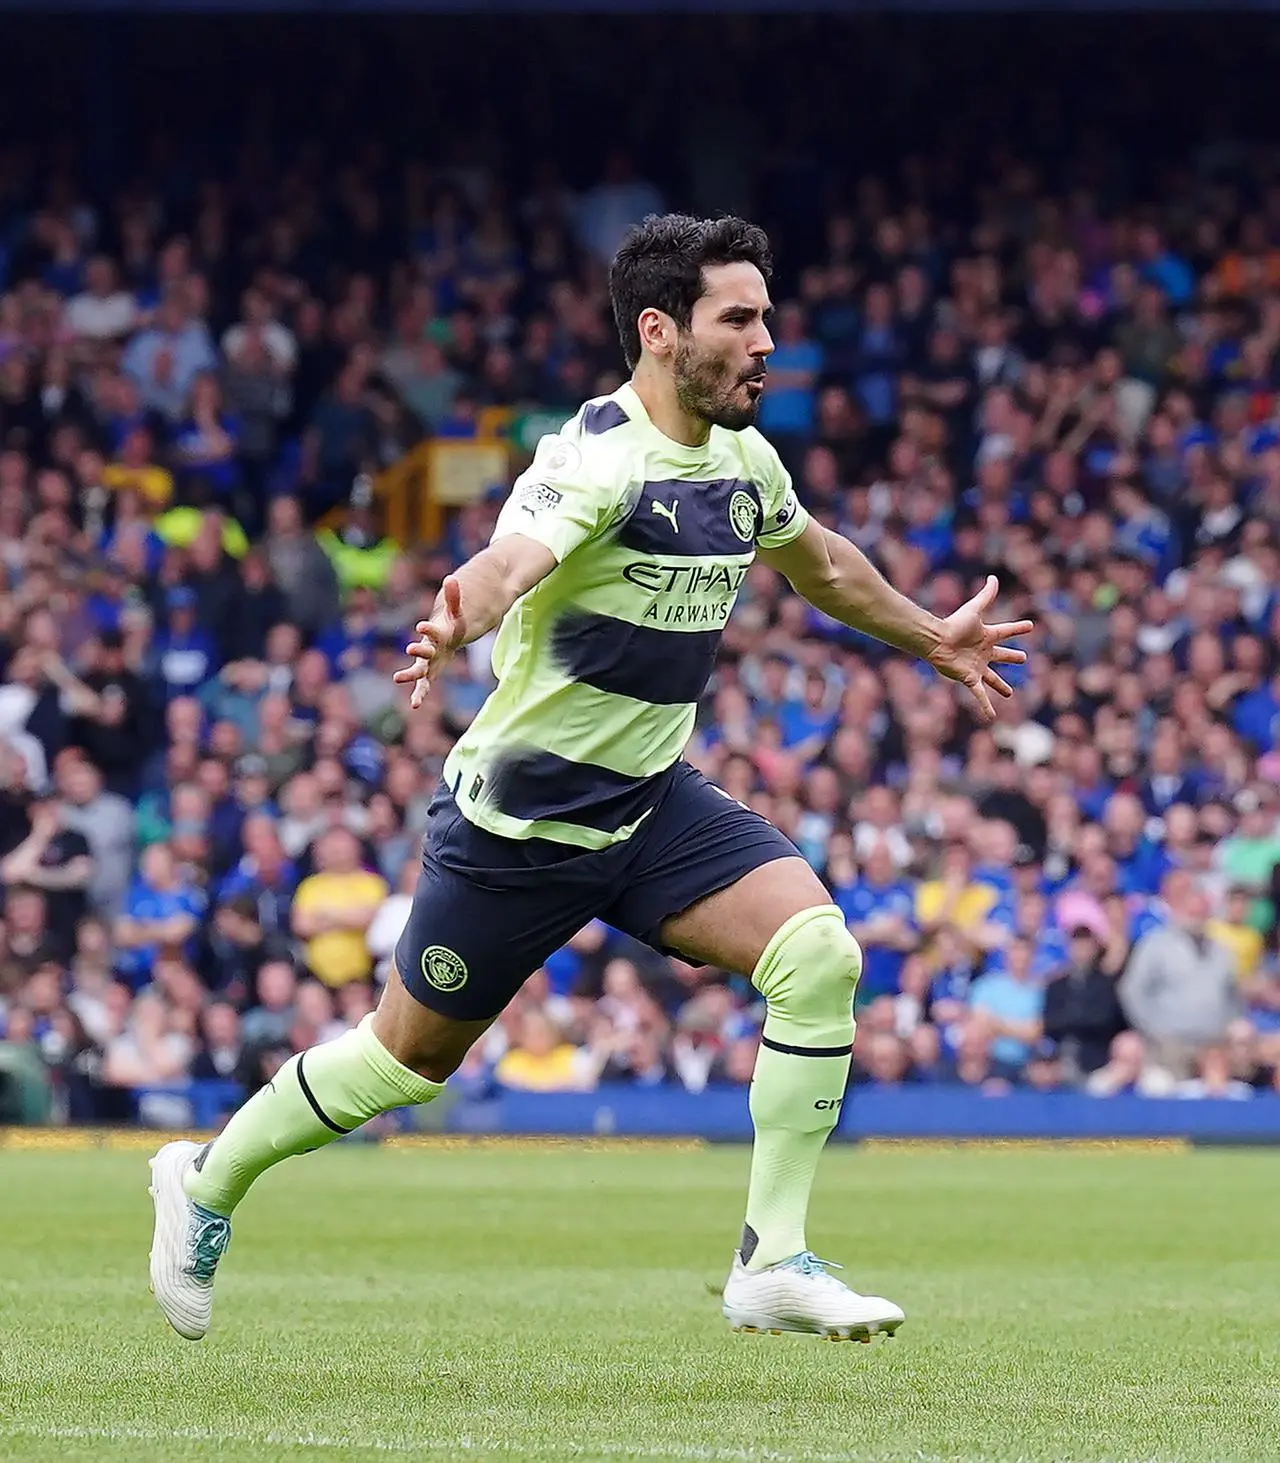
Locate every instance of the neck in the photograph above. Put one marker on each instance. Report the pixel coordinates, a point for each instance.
(658, 398)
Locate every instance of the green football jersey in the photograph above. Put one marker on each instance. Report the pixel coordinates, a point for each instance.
(601, 665)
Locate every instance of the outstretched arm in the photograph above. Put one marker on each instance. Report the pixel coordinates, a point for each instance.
(837, 578)
(470, 603)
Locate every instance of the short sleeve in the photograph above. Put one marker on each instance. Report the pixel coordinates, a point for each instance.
(982, 997)
(306, 895)
(560, 500)
(785, 517)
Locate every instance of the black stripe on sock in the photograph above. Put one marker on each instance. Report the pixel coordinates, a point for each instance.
(806, 1051)
(315, 1106)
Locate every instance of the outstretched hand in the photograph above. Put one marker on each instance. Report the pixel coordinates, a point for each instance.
(438, 639)
(970, 647)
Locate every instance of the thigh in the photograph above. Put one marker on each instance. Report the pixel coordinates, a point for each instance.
(732, 927)
(712, 881)
(467, 949)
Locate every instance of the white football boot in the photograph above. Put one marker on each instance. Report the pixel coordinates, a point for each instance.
(186, 1245)
(800, 1294)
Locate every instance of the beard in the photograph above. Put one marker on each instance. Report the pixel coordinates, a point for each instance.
(707, 387)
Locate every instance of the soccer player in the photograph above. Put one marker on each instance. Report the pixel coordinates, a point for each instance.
(612, 571)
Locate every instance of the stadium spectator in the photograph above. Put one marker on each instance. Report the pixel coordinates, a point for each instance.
(1082, 1012)
(1050, 393)
(1179, 989)
(334, 907)
(1008, 1005)
(162, 914)
(539, 1060)
(55, 860)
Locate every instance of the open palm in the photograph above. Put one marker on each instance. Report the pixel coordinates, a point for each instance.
(970, 647)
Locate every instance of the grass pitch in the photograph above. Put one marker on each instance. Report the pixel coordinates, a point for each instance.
(552, 1304)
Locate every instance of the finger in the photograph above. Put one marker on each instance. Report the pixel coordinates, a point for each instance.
(430, 627)
(452, 591)
(418, 671)
(1011, 628)
(425, 648)
(985, 597)
(419, 694)
(1007, 655)
(986, 711)
(1000, 686)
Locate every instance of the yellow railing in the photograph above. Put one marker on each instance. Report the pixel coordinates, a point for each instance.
(436, 475)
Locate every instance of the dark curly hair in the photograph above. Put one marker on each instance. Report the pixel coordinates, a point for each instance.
(660, 264)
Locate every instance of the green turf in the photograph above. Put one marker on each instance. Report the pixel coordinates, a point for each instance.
(1062, 1307)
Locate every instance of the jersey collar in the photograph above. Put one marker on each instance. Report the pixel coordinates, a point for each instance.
(629, 400)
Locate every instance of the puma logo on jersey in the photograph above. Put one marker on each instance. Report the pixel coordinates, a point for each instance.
(668, 513)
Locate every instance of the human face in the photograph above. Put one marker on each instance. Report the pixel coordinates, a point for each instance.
(720, 359)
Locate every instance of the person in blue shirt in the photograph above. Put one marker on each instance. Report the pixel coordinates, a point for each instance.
(998, 845)
(1092, 786)
(789, 405)
(162, 912)
(204, 444)
(1140, 864)
(263, 874)
(954, 962)
(1159, 265)
(878, 357)
(567, 967)
(1011, 1001)
(879, 909)
(808, 725)
(1034, 922)
(1256, 716)
(164, 360)
(186, 656)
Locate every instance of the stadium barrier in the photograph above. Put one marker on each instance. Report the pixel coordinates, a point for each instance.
(623, 7)
(720, 1114)
(905, 1112)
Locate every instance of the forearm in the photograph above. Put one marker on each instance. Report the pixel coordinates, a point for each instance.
(74, 875)
(490, 584)
(131, 934)
(81, 699)
(24, 861)
(355, 921)
(849, 588)
(1028, 1031)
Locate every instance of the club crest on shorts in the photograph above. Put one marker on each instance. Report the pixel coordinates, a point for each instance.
(742, 515)
(443, 969)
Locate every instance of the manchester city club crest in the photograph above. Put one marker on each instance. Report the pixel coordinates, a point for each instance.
(443, 969)
(742, 515)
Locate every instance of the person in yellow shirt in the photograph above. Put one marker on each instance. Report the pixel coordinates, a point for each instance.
(1235, 932)
(541, 1062)
(954, 900)
(333, 909)
(135, 469)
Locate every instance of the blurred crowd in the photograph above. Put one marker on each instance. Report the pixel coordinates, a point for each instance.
(212, 796)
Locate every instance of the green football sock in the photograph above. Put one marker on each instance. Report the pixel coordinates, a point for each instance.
(808, 974)
(314, 1098)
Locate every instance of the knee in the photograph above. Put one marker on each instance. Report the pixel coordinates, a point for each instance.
(434, 1060)
(427, 1043)
(812, 959)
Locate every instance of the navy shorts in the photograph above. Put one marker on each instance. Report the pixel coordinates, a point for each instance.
(488, 911)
